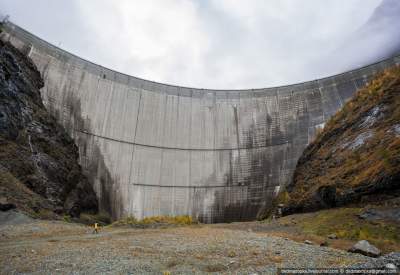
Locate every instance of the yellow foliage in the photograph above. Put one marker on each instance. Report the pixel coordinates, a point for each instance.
(363, 234)
(177, 220)
(330, 162)
(283, 197)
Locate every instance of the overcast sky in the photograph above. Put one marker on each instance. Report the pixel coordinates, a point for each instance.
(203, 43)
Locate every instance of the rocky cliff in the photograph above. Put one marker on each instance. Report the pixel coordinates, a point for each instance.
(39, 172)
(356, 158)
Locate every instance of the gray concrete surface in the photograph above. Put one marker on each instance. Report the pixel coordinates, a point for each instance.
(156, 149)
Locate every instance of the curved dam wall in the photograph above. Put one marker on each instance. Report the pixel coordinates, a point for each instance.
(155, 149)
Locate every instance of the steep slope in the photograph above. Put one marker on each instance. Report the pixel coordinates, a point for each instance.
(39, 171)
(356, 158)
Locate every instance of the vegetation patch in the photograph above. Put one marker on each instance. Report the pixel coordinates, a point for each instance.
(155, 221)
(173, 263)
(23, 198)
(356, 155)
(215, 268)
(346, 224)
(101, 218)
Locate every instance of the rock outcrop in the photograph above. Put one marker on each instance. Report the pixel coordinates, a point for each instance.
(365, 248)
(356, 158)
(38, 160)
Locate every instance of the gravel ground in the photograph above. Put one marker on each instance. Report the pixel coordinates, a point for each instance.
(13, 217)
(48, 247)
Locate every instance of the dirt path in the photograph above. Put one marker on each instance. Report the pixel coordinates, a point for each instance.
(55, 247)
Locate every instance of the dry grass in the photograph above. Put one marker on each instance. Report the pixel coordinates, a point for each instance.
(156, 220)
(349, 228)
(173, 262)
(215, 268)
(24, 198)
(328, 162)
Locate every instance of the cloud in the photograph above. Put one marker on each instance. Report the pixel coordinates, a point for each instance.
(200, 43)
(153, 39)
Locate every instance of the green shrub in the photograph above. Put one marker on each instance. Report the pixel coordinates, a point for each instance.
(67, 218)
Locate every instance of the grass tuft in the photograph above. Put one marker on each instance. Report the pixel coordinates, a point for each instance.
(345, 223)
(156, 220)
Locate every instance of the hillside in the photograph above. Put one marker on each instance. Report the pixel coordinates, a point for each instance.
(39, 172)
(356, 158)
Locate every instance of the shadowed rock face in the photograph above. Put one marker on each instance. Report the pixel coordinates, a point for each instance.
(35, 150)
(357, 156)
(153, 149)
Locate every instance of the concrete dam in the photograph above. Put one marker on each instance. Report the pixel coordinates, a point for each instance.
(154, 149)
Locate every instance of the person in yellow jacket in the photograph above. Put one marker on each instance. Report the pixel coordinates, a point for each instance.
(96, 228)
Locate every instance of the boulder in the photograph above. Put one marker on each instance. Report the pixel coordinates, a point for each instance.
(332, 236)
(390, 266)
(365, 248)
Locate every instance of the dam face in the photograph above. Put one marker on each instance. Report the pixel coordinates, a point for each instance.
(155, 149)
